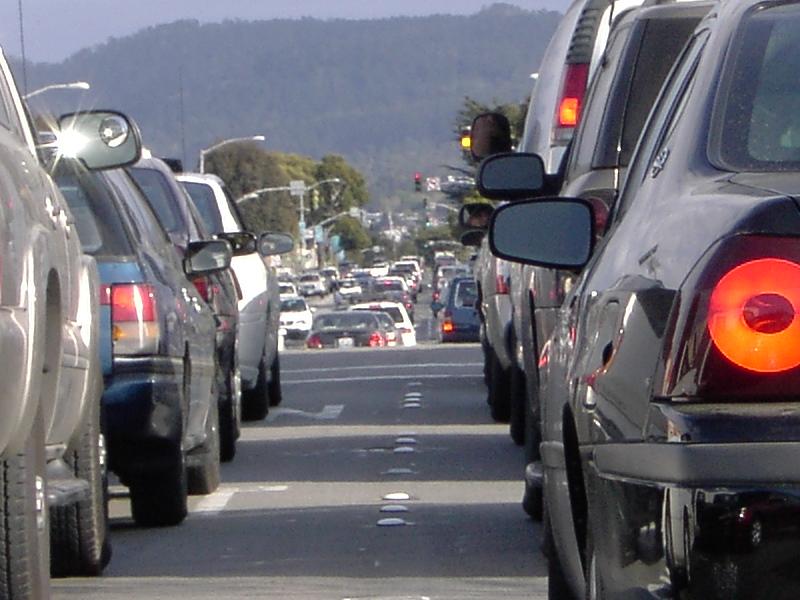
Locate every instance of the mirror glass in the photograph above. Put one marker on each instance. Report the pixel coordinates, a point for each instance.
(490, 134)
(206, 256)
(271, 244)
(512, 175)
(546, 232)
(242, 242)
(473, 237)
(101, 139)
(475, 215)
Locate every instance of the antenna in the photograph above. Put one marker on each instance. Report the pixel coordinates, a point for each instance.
(22, 46)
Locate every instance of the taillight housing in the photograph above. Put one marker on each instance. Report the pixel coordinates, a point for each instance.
(570, 103)
(376, 340)
(314, 341)
(735, 331)
(135, 327)
(448, 326)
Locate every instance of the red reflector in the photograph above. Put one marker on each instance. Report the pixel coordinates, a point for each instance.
(105, 295)
(572, 93)
(752, 315)
(201, 284)
(132, 302)
(314, 341)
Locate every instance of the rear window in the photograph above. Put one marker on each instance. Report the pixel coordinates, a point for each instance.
(466, 294)
(293, 305)
(97, 219)
(158, 193)
(391, 286)
(392, 311)
(350, 320)
(758, 128)
(204, 200)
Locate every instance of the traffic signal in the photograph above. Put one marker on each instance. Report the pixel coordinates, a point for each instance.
(466, 139)
(417, 181)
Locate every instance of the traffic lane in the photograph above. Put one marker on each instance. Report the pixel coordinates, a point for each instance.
(314, 533)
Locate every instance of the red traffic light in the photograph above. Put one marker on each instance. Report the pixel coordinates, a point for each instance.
(418, 181)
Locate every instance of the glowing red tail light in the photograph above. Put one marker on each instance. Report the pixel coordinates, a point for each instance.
(376, 340)
(447, 326)
(314, 341)
(572, 92)
(132, 302)
(752, 315)
(134, 318)
(501, 284)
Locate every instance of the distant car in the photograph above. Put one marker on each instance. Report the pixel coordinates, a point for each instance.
(296, 317)
(460, 321)
(347, 329)
(312, 284)
(394, 289)
(287, 289)
(348, 290)
(330, 275)
(396, 310)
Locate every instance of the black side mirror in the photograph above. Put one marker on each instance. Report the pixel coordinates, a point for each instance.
(207, 256)
(490, 134)
(475, 215)
(548, 232)
(511, 176)
(242, 242)
(473, 237)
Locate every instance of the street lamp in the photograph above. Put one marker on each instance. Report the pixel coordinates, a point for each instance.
(252, 138)
(75, 85)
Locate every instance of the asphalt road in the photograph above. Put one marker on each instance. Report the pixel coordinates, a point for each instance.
(299, 512)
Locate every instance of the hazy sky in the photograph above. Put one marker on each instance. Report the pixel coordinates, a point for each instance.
(54, 29)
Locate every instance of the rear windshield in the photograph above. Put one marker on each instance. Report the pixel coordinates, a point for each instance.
(158, 193)
(97, 220)
(350, 320)
(759, 128)
(466, 294)
(392, 311)
(391, 286)
(203, 198)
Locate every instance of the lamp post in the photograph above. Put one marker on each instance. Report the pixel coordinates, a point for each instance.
(75, 85)
(204, 151)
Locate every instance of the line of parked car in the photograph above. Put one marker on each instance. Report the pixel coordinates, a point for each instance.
(638, 294)
(139, 326)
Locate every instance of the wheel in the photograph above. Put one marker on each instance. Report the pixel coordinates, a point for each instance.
(230, 417)
(274, 387)
(517, 406)
(255, 402)
(159, 499)
(79, 542)
(203, 476)
(24, 527)
(499, 400)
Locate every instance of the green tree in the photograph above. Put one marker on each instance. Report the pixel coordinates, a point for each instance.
(354, 237)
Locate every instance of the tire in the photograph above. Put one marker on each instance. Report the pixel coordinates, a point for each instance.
(230, 416)
(24, 527)
(255, 402)
(499, 392)
(517, 406)
(274, 388)
(204, 478)
(79, 541)
(533, 502)
(160, 499)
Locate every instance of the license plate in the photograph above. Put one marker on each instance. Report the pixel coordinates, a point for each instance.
(345, 342)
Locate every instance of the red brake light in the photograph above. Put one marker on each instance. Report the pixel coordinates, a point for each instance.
(752, 316)
(572, 93)
(314, 341)
(447, 326)
(501, 284)
(132, 302)
(376, 340)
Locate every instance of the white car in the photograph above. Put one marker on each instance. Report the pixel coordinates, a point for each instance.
(312, 284)
(287, 289)
(402, 322)
(347, 290)
(259, 305)
(296, 317)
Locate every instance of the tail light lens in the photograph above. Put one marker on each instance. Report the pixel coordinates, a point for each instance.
(447, 326)
(134, 318)
(735, 332)
(376, 340)
(314, 341)
(501, 284)
(573, 89)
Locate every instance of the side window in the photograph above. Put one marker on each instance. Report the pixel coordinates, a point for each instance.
(662, 119)
(7, 107)
(143, 216)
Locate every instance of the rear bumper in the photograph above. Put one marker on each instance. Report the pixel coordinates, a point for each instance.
(144, 413)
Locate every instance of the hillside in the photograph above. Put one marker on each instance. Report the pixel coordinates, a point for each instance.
(383, 93)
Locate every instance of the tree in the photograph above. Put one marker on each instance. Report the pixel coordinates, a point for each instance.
(471, 108)
(353, 236)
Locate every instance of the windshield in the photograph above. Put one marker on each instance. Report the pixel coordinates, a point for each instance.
(293, 305)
